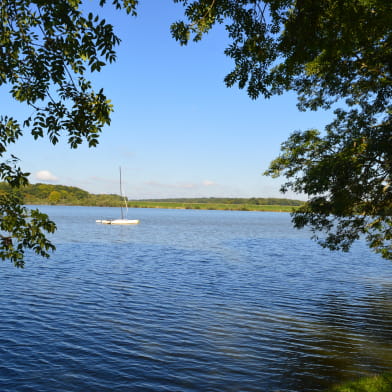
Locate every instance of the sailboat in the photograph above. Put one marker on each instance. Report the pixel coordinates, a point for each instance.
(123, 220)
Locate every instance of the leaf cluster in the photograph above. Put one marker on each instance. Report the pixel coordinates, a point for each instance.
(46, 50)
(328, 52)
(323, 50)
(25, 230)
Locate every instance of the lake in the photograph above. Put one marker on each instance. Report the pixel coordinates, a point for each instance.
(191, 300)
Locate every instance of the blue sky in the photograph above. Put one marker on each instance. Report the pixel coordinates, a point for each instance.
(177, 130)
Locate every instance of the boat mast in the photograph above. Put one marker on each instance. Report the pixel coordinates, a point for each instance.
(121, 193)
(125, 199)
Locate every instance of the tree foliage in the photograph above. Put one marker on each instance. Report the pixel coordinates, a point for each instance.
(42, 194)
(46, 49)
(332, 53)
(26, 230)
(271, 201)
(329, 52)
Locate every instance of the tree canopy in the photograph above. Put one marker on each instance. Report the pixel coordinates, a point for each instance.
(334, 54)
(46, 49)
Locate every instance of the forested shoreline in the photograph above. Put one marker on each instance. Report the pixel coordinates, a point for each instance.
(47, 194)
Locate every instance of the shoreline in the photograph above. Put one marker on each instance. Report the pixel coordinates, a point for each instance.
(186, 206)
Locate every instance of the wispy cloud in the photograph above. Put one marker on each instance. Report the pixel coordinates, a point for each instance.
(45, 175)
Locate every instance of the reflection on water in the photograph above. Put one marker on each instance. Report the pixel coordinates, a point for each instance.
(192, 301)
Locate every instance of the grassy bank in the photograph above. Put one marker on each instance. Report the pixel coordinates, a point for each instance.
(210, 206)
(34, 194)
(378, 383)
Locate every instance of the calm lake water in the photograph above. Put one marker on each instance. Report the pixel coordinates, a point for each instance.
(191, 301)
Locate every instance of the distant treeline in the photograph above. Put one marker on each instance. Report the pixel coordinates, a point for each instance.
(270, 201)
(70, 195)
(62, 195)
(210, 206)
(220, 203)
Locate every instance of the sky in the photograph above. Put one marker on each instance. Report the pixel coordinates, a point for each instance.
(177, 130)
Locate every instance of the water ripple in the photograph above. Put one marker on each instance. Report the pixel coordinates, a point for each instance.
(191, 301)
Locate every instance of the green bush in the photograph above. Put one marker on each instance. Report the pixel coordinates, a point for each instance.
(378, 383)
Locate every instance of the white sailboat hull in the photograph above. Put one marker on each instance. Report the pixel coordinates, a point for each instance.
(123, 220)
(118, 221)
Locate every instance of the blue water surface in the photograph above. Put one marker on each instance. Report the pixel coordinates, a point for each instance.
(188, 301)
